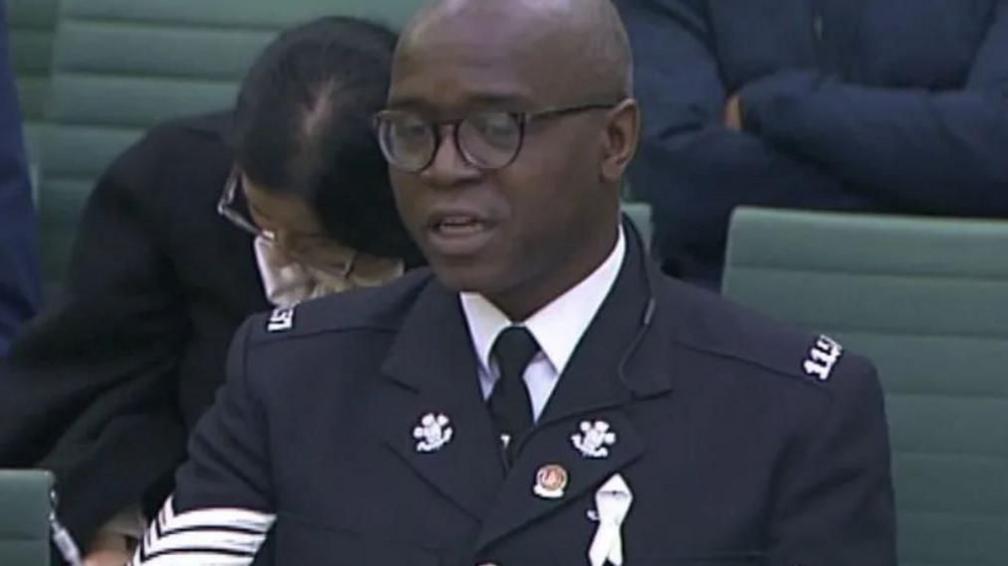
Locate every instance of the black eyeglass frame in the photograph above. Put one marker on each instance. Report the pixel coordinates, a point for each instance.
(225, 208)
(521, 119)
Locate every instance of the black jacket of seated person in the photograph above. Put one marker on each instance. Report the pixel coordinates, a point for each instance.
(103, 387)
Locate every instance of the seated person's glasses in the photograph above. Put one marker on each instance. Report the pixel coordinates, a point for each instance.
(226, 208)
(486, 140)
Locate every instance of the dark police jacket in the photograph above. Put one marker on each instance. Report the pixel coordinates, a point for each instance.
(741, 441)
(864, 105)
(103, 386)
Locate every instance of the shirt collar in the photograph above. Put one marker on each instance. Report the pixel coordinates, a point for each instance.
(559, 325)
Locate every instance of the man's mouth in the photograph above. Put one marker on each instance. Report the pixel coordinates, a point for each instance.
(459, 225)
(458, 234)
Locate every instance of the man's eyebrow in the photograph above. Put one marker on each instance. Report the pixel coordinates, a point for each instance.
(502, 101)
(513, 101)
(407, 103)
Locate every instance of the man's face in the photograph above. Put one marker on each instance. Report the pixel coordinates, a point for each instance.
(519, 231)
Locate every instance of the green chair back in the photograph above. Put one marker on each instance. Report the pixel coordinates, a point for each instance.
(24, 517)
(927, 300)
(31, 29)
(640, 214)
(121, 66)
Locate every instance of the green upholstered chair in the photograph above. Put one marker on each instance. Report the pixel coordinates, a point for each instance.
(32, 24)
(24, 517)
(31, 28)
(927, 300)
(120, 67)
(640, 214)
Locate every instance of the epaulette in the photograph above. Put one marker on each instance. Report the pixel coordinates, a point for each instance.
(727, 330)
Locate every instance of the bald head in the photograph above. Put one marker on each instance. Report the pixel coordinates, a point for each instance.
(580, 45)
(536, 96)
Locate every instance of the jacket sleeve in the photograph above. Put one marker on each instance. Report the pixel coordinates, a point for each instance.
(222, 508)
(91, 382)
(940, 152)
(692, 169)
(834, 503)
(19, 265)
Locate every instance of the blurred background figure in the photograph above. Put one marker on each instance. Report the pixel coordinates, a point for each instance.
(201, 223)
(19, 265)
(866, 105)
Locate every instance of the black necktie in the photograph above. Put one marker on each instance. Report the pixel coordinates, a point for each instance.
(510, 406)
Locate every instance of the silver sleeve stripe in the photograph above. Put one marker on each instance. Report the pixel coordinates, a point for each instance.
(194, 558)
(205, 537)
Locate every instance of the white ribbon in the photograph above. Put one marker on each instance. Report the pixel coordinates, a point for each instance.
(612, 503)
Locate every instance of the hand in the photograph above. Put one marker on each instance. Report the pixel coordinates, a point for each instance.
(733, 113)
(108, 549)
(107, 558)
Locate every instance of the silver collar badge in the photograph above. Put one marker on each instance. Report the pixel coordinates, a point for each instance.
(594, 439)
(433, 432)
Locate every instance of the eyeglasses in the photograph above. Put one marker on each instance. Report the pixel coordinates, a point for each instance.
(226, 208)
(488, 140)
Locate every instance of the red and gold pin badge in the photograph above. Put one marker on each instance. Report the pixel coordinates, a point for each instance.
(551, 481)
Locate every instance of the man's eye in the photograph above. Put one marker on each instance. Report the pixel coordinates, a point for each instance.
(411, 131)
(498, 129)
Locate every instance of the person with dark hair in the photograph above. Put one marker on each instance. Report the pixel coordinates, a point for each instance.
(303, 122)
(201, 223)
(542, 394)
(859, 106)
(20, 288)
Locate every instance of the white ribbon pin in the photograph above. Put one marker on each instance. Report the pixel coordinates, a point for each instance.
(612, 503)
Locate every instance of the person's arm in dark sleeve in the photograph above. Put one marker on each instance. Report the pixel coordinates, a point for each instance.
(90, 385)
(222, 508)
(691, 168)
(20, 287)
(835, 497)
(943, 152)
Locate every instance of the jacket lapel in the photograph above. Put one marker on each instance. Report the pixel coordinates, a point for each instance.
(432, 370)
(617, 361)
(518, 505)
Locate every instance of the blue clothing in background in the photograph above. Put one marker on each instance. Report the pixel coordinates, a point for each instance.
(893, 106)
(19, 269)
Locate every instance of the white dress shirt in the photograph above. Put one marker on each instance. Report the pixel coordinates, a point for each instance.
(557, 327)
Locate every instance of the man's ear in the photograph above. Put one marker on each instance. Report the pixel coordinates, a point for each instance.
(620, 140)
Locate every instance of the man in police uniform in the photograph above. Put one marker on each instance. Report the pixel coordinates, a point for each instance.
(543, 395)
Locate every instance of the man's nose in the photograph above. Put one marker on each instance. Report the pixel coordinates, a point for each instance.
(449, 167)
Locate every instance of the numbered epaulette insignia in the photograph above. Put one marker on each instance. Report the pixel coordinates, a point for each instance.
(281, 320)
(822, 357)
